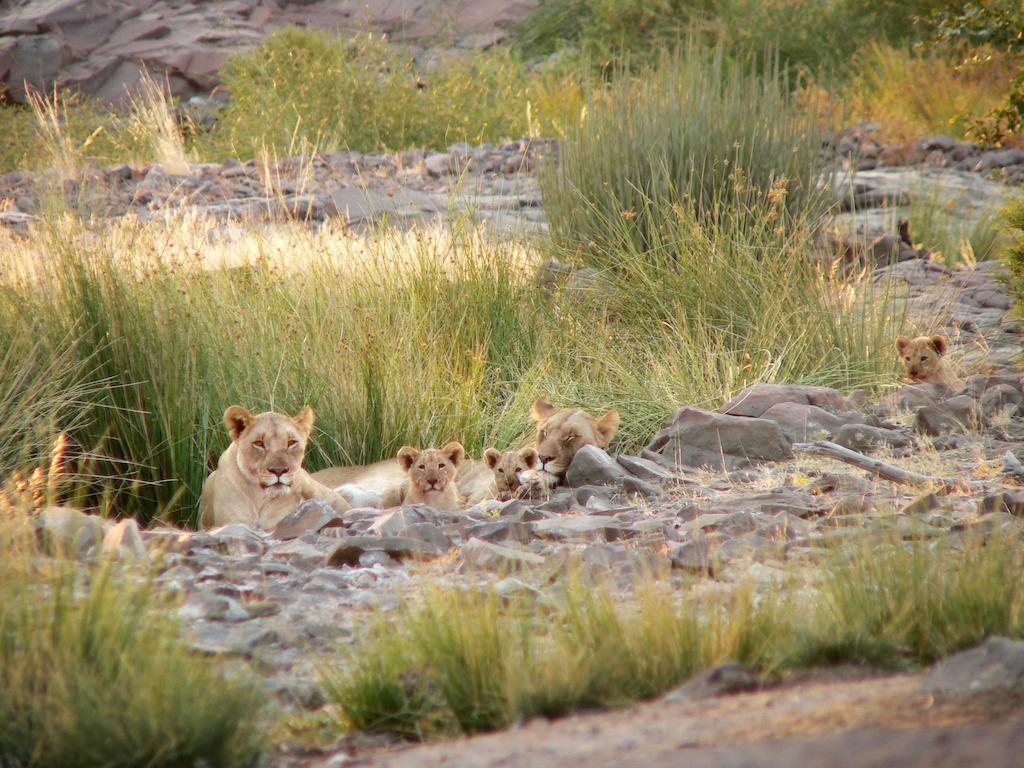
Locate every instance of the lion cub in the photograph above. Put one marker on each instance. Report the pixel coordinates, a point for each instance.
(924, 362)
(431, 476)
(508, 468)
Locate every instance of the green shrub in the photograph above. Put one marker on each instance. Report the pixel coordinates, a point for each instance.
(92, 673)
(892, 604)
(304, 88)
(1013, 216)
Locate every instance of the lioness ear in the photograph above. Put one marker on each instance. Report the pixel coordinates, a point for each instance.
(541, 408)
(491, 458)
(304, 420)
(237, 419)
(939, 342)
(606, 427)
(455, 452)
(901, 343)
(529, 456)
(407, 455)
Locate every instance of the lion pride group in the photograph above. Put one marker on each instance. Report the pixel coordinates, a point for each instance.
(260, 480)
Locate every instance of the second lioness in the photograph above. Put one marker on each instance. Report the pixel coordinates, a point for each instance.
(560, 434)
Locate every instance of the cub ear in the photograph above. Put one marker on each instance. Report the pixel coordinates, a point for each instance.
(407, 455)
(901, 343)
(541, 408)
(304, 420)
(606, 428)
(491, 458)
(455, 452)
(529, 456)
(237, 419)
(939, 342)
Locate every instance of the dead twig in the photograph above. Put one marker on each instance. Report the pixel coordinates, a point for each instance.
(889, 472)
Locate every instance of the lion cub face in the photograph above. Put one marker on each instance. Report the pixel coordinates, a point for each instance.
(508, 468)
(269, 447)
(561, 433)
(432, 470)
(923, 359)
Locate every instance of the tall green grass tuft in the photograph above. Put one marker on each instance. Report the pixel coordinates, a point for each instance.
(465, 661)
(698, 136)
(93, 673)
(909, 603)
(469, 662)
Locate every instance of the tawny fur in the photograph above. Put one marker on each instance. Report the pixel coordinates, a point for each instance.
(508, 468)
(259, 479)
(430, 476)
(924, 361)
(560, 434)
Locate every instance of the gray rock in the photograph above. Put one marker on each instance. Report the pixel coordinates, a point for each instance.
(1001, 397)
(496, 557)
(693, 556)
(349, 550)
(725, 679)
(994, 667)
(861, 437)
(954, 415)
(310, 515)
(237, 539)
(124, 540)
(801, 422)
(758, 398)
(438, 164)
(697, 438)
(297, 552)
(579, 527)
(592, 466)
(646, 469)
(506, 529)
(634, 486)
(68, 531)
(913, 396)
(1008, 501)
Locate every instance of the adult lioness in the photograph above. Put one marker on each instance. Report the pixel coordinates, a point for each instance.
(259, 478)
(924, 361)
(431, 476)
(560, 434)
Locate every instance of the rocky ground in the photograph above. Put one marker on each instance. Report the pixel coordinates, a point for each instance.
(101, 47)
(730, 494)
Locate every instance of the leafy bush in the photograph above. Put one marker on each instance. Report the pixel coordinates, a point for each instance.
(914, 94)
(1013, 216)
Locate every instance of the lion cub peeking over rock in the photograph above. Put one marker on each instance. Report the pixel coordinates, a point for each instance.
(508, 468)
(431, 476)
(259, 479)
(924, 361)
(560, 434)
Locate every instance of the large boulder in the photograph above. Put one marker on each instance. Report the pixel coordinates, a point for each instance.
(994, 667)
(592, 466)
(801, 422)
(694, 437)
(758, 398)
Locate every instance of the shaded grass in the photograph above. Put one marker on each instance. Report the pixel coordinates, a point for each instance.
(465, 661)
(92, 672)
(940, 227)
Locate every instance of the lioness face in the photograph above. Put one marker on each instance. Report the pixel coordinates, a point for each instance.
(269, 447)
(561, 433)
(922, 358)
(431, 470)
(508, 468)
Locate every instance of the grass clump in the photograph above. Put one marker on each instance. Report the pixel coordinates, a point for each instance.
(913, 603)
(466, 661)
(915, 93)
(93, 673)
(305, 88)
(1013, 220)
